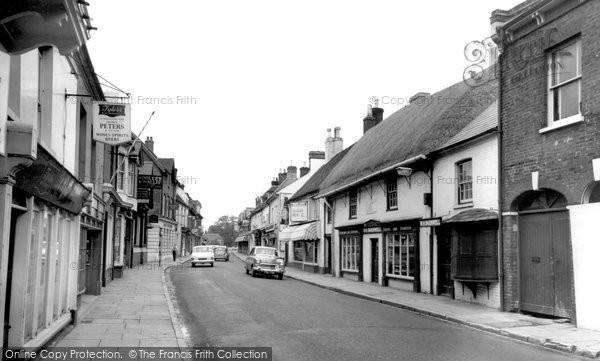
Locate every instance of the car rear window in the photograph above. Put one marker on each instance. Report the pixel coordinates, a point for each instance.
(202, 249)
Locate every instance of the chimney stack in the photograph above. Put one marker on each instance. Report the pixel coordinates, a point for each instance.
(333, 145)
(369, 121)
(150, 143)
(316, 159)
(274, 182)
(292, 172)
(304, 170)
(282, 175)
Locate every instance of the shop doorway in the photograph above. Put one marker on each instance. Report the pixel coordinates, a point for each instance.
(85, 251)
(445, 284)
(545, 256)
(327, 254)
(375, 260)
(11, 250)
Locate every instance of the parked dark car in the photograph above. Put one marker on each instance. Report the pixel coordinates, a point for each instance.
(221, 252)
(264, 260)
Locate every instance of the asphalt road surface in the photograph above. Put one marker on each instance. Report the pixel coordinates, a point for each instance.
(222, 306)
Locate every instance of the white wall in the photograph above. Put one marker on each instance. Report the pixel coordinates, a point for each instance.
(372, 202)
(64, 112)
(585, 229)
(484, 156)
(485, 177)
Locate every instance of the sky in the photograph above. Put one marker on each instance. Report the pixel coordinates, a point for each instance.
(242, 89)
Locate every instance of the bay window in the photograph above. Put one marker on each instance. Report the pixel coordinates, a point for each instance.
(474, 252)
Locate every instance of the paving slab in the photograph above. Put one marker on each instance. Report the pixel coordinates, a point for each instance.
(131, 311)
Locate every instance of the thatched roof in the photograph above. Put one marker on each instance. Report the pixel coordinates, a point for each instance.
(419, 128)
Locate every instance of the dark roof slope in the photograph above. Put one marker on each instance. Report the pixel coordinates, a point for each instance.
(168, 163)
(418, 128)
(312, 185)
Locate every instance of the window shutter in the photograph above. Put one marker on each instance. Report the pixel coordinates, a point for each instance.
(485, 249)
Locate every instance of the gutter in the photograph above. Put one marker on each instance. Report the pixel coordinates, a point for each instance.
(365, 178)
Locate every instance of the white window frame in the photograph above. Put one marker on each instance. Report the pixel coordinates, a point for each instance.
(353, 204)
(391, 237)
(553, 90)
(388, 193)
(130, 177)
(349, 243)
(461, 182)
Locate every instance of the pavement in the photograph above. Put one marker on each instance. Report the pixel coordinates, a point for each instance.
(547, 333)
(136, 310)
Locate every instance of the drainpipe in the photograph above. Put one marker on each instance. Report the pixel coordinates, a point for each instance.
(500, 188)
(431, 230)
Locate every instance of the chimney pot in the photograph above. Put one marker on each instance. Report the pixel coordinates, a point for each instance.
(150, 143)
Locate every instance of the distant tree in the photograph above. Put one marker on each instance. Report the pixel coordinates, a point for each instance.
(225, 226)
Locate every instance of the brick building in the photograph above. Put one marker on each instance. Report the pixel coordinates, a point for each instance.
(549, 109)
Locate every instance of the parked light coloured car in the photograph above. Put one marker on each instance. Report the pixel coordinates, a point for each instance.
(264, 260)
(221, 252)
(203, 255)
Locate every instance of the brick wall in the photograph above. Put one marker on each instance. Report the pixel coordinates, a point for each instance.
(563, 157)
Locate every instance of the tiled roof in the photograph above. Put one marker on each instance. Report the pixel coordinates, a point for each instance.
(168, 163)
(472, 215)
(484, 122)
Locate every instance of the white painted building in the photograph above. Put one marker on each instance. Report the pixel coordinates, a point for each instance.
(384, 193)
(40, 195)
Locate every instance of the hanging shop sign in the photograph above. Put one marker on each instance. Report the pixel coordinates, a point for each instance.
(149, 181)
(299, 212)
(431, 222)
(112, 122)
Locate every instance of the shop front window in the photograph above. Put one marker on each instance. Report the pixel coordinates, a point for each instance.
(350, 253)
(401, 255)
(117, 242)
(305, 251)
(42, 295)
(299, 251)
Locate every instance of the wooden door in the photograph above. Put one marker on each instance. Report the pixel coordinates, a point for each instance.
(546, 271)
(445, 283)
(374, 260)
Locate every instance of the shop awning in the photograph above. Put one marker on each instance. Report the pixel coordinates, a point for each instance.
(473, 215)
(240, 239)
(307, 231)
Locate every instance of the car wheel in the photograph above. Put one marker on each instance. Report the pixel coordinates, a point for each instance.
(193, 265)
(212, 264)
(246, 269)
(280, 276)
(253, 272)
